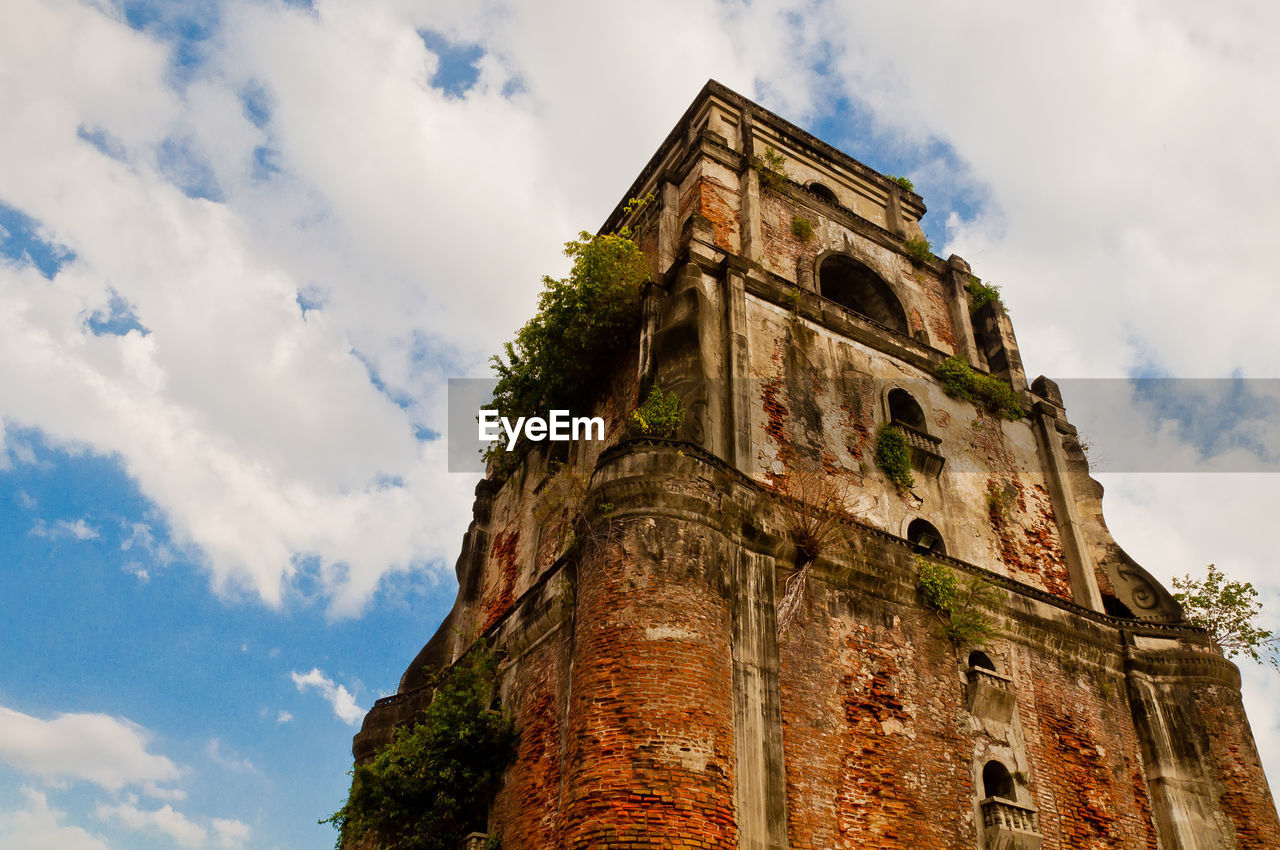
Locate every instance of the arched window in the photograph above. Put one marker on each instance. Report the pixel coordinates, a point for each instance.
(851, 284)
(824, 193)
(925, 538)
(903, 410)
(978, 658)
(996, 781)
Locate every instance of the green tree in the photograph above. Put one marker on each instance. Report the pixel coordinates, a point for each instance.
(960, 605)
(561, 354)
(1229, 610)
(434, 784)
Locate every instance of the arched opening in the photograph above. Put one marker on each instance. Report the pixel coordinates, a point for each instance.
(1115, 607)
(823, 192)
(903, 410)
(851, 284)
(978, 658)
(925, 538)
(997, 782)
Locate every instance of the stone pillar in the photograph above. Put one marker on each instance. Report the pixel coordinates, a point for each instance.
(737, 386)
(757, 707)
(957, 279)
(1075, 548)
(752, 246)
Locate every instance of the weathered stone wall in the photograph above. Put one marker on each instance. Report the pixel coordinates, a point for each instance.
(650, 755)
(818, 399)
(633, 585)
(535, 688)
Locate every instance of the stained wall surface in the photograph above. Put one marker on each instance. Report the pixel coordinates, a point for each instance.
(687, 671)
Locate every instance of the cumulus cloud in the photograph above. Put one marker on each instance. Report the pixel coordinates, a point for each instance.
(176, 826)
(111, 752)
(1124, 224)
(229, 833)
(268, 360)
(268, 356)
(284, 717)
(39, 827)
(338, 697)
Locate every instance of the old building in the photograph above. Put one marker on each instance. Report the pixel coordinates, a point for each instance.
(795, 311)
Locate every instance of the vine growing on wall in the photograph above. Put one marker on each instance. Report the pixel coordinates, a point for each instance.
(802, 228)
(981, 294)
(433, 785)
(893, 455)
(661, 415)
(994, 395)
(561, 355)
(919, 250)
(959, 605)
(771, 166)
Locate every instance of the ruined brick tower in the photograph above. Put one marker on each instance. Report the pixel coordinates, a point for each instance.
(660, 704)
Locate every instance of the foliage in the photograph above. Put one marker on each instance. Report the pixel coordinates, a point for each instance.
(960, 381)
(1229, 610)
(1000, 500)
(434, 784)
(815, 507)
(904, 182)
(919, 250)
(561, 354)
(981, 294)
(559, 502)
(893, 455)
(771, 166)
(958, 604)
(801, 228)
(793, 299)
(660, 416)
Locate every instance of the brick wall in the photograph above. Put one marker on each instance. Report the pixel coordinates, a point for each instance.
(650, 756)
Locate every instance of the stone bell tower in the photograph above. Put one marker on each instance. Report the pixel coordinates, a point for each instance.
(796, 310)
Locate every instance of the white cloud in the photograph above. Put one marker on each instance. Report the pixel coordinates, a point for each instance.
(133, 568)
(108, 751)
(284, 717)
(230, 761)
(77, 529)
(1127, 223)
(229, 833)
(1124, 159)
(341, 700)
(256, 430)
(39, 827)
(142, 539)
(165, 820)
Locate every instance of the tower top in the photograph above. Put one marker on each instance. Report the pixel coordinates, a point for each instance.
(720, 118)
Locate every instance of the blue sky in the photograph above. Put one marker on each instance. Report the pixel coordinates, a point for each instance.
(245, 244)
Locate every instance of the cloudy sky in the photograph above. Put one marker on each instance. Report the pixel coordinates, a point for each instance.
(244, 244)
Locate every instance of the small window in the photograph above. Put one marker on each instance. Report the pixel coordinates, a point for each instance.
(997, 782)
(925, 538)
(980, 659)
(852, 285)
(903, 410)
(1115, 607)
(824, 193)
